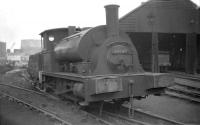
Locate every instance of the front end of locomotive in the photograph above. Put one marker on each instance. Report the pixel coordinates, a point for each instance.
(124, 86)
(118, 74)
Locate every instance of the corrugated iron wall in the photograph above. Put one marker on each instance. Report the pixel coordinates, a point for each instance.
(164, 17)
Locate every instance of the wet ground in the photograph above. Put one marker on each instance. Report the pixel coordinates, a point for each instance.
(172, 108)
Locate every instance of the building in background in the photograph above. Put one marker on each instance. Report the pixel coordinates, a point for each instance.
(30, 46)
(13, 57)
(17, 51)
(8, 51)
(2, 53)
(20, 56)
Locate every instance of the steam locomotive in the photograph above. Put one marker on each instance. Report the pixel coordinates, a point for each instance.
(95, 64)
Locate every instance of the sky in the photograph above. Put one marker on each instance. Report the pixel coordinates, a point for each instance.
(25, 19)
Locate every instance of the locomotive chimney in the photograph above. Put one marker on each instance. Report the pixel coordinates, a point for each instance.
(71, 30)
(112, 21)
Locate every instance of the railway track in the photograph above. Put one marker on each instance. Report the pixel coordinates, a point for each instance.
(187, 87)
(28, 100)
(43, 103)
(140, 117)
(186, 76)
(143, 120)
(185, 92)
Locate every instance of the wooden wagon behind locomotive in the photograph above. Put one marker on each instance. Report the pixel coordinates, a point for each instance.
(96, 64)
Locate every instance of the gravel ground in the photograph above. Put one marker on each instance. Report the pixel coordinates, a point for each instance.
(12, 113)
(17, 77)
(67, 110)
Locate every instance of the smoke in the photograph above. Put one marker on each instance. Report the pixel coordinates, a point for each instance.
(8, 32)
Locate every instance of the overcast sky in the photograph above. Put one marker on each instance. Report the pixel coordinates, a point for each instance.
(25, 19)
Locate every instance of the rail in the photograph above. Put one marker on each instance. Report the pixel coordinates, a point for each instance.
(30, 103)
(140, 117)
(184, 92)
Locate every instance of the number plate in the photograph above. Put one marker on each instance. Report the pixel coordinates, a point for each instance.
(105, 85)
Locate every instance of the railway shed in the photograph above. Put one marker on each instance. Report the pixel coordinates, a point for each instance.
(166, 34)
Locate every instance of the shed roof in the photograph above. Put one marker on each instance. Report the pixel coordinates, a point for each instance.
(178, 16)
(189, 3)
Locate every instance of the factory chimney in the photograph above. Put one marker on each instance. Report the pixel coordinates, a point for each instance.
(71, 30)
(112, 21)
